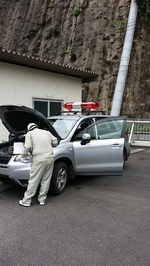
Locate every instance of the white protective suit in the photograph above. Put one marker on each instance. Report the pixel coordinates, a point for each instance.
(39, 144)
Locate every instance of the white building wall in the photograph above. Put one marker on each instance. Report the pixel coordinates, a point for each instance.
(19, 85)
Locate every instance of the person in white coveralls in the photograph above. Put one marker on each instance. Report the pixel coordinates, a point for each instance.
(38, 143)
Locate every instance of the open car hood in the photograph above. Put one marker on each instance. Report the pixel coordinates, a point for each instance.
(17, 117)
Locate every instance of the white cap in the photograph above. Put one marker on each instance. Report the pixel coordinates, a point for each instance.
(31, 126)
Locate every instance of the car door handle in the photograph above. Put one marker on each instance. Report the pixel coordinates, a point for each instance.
(116, 145)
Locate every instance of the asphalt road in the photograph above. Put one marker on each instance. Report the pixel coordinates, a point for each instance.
(100, 221)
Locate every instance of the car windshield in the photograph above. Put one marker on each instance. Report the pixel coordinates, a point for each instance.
(62, 126)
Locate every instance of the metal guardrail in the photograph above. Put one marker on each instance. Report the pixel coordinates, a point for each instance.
(139, 132)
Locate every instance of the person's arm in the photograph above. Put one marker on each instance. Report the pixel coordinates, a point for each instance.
(27, 146)
(54, 141)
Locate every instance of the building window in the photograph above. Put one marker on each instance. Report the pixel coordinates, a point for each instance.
(47, 107)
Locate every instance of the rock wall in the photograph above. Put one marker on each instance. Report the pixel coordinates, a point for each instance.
(88, 34)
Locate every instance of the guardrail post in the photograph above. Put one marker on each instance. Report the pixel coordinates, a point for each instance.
(131, 133)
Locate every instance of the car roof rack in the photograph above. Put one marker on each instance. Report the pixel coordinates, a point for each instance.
(81, 112)
(95, 112)
(68, 112)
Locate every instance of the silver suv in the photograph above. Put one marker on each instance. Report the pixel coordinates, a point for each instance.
(89, 144)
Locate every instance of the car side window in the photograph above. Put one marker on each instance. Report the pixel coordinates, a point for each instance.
(110, 129)
(90, 130)
(82, 128)
(103, 130)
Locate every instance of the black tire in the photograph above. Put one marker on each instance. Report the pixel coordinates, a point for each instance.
(124, 159)
(59, 178)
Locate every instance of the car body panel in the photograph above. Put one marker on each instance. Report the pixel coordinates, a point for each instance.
(16, 172)
(105, 155)
(99, 156)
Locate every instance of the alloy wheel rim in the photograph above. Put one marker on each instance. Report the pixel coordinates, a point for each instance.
(61, 178)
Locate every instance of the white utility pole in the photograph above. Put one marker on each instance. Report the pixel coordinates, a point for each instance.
(125, 58)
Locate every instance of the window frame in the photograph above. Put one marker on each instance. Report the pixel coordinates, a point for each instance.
(48, 101)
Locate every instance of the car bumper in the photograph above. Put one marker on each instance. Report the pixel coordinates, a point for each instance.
(15, 172)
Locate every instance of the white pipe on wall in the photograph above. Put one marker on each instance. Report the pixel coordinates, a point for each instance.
(125, 58)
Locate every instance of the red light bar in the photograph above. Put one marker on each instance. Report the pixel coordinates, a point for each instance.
(91, 105)
(68, 105)
(78, 105)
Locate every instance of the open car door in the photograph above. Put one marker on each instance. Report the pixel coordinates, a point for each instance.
(98, 149)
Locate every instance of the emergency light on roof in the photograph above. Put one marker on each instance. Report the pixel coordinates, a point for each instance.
(79, 105)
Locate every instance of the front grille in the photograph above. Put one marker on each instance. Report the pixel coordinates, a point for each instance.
(4, 159)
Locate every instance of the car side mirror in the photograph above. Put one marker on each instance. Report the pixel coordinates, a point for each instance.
(85, 139)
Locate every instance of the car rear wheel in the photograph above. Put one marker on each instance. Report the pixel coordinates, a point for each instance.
(124, 158)
(59, 178)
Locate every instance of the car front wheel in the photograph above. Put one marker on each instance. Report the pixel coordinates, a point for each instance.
(59, 178)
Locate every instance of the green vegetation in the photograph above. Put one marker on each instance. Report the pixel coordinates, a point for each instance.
(51, 6)
(119, 22)
(144, 12)
(139, 128)
(34, 54)
(77, 11)
(68, 51)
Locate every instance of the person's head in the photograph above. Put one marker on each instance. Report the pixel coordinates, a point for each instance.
(32, 126)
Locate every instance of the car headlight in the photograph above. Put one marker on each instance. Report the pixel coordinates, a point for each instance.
(26, 159)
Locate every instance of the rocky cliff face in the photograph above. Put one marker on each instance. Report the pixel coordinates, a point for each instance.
(88, 34)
